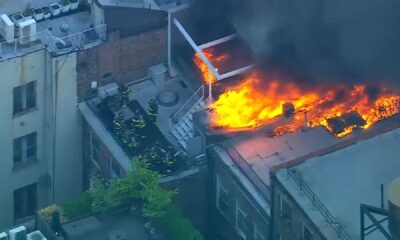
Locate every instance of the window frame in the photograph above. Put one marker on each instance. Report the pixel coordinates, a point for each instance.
(25, 198)
(94, 150)
(285, 209)
(220, 187)
(114, 174)
(24, 98)
(239, 226)
(257, 234)
(303, 230)
(25, 143)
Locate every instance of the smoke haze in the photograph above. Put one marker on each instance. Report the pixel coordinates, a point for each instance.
(339, 40)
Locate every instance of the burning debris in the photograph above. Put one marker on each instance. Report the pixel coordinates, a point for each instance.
(258, 100)
(288, 109)
(346, 123)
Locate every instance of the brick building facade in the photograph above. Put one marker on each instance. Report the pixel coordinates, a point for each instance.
(289, 219)
(136, 40)
(235, 212)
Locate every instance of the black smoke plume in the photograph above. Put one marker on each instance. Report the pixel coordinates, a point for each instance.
(323, 40)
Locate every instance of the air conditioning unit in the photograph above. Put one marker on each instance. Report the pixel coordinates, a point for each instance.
(7, 28)
(36, 235)
(158, 73)
(27, 31)
(3, 236)
(108, 90)
(18, 233)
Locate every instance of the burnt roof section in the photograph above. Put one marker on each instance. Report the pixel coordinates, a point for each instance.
(131, 21)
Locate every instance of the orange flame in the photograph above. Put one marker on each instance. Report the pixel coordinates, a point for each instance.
(208, 76)
(255, 102)
(247, 106)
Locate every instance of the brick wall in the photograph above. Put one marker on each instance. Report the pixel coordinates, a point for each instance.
(292, 227)
(121, 59)
(224, 226)
(104, 160)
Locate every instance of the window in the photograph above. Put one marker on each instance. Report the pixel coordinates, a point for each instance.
(25, 201)
(257, 234)
(115, 170)
(285, 210)
(222, 198)
(24, 97)
(94, 150)
(25, 149)
(306, 235)
(241, 222)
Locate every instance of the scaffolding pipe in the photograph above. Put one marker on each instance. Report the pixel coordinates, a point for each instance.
(235, 72)
(218, 41)
(196, 48)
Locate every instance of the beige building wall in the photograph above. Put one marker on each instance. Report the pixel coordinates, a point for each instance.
(56, 122)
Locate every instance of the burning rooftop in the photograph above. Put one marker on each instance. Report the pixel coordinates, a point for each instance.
(260, 98)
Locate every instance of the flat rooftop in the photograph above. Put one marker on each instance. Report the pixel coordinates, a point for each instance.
(346, 178)
(151, 4)
(263, 153)
(79, 35)
(11, 6)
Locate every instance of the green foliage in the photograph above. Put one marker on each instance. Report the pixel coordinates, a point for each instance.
(65, 2)
(156, 201)
(28, 10)
(99, 194)
(47, 213)
(140, 183)
(178, 227)
(79, 207)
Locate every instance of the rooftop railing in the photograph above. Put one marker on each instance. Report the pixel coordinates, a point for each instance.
(332, 221)
(185, 108)
(246, 168)
(58, 45)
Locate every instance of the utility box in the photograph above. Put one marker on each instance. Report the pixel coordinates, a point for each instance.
(157, 74)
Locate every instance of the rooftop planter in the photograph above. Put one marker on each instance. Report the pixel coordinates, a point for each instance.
(17, 17)
(65, 6)
(55, 9)
(27, 13)
(46, 12)
(74, 4)
(38, 14)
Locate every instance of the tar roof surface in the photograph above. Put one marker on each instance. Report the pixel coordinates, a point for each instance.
(263, 153)
(346, 178)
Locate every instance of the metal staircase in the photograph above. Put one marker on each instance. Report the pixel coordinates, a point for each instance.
(181, 123)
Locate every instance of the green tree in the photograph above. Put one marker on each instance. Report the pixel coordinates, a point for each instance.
(156, 201)
(140, 183)
(98, 193)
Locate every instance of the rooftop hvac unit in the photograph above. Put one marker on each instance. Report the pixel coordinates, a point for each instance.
(108, 90)
(157, 73)
(7, 30)
(18, 233)
(36, 235)
(3, 236)
(27, 31)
